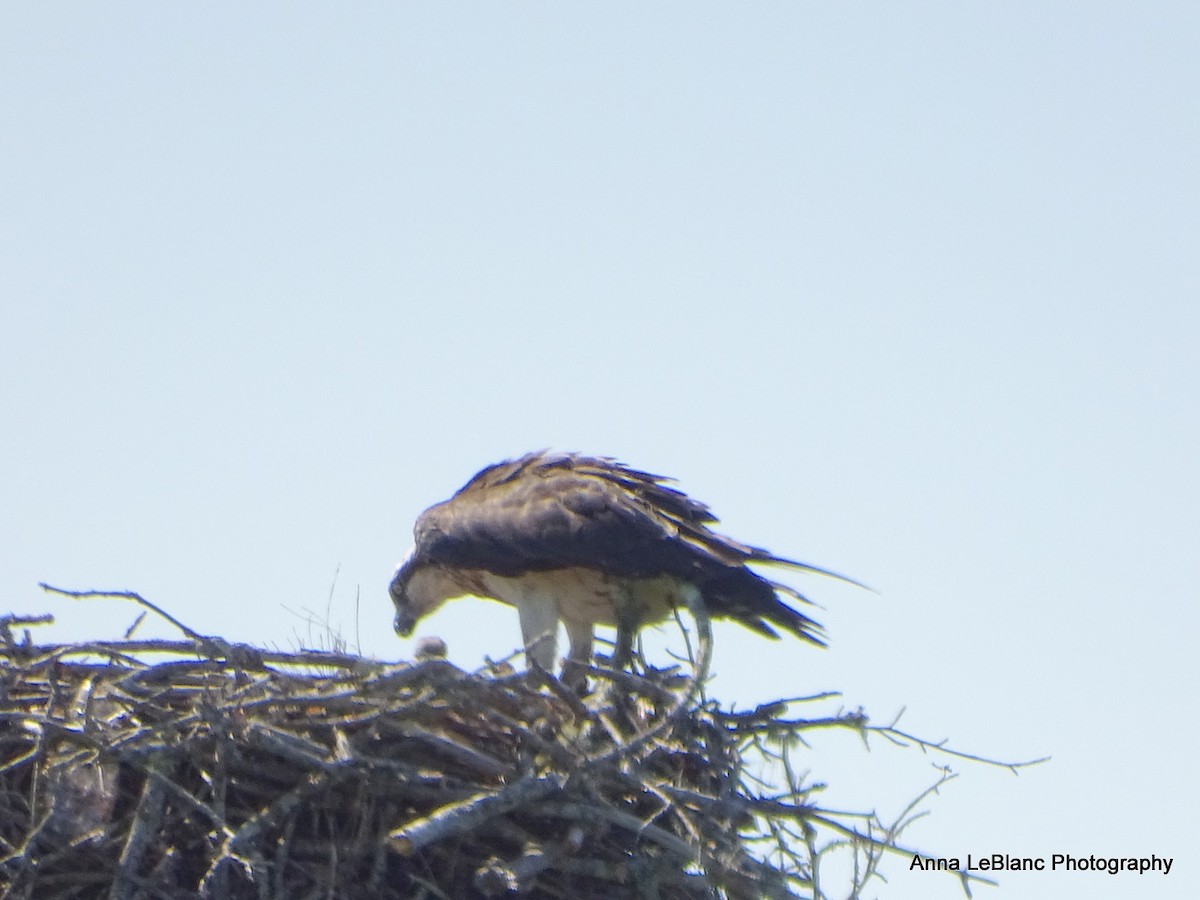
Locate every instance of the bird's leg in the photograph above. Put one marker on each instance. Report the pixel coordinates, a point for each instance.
(539, 628)
(627, 622)
(579, 656)
(626, 614)
(623, 649)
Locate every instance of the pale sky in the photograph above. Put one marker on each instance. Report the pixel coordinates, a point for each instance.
(910, 291)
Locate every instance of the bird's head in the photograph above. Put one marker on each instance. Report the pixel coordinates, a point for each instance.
(417, 589)
(406, 613)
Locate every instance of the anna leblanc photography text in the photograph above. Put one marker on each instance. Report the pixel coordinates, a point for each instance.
(1000, 862)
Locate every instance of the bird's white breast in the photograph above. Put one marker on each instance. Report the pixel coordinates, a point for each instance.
(586, 595)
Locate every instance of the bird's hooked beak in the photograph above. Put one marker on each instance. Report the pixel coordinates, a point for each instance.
(406, 617)
(404, 623)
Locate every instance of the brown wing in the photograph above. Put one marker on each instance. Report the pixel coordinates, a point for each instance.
(546, 511)
(549, 511)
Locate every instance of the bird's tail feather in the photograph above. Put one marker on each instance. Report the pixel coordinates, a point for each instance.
(760, 555)
(795, 621)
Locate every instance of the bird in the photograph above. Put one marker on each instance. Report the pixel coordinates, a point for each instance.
(584, 541)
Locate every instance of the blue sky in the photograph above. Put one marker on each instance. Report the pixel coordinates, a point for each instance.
(909, 291)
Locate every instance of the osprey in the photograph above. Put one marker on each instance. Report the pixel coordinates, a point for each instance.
(587, 541)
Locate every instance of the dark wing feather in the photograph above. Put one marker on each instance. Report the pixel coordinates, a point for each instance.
(546, 511)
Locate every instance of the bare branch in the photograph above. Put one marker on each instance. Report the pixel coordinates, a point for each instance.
(125, 595)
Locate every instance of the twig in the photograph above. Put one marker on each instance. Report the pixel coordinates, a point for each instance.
(896, 736)
(126, 595)
(124, 650)
(134, 627)
(142, 833)
(8, 620)
(458, 818)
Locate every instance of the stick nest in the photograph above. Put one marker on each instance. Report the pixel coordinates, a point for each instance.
(229, 771)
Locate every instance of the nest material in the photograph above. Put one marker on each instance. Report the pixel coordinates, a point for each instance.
(233, 772)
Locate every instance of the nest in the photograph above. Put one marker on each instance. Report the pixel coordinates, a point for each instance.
(229, 771)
